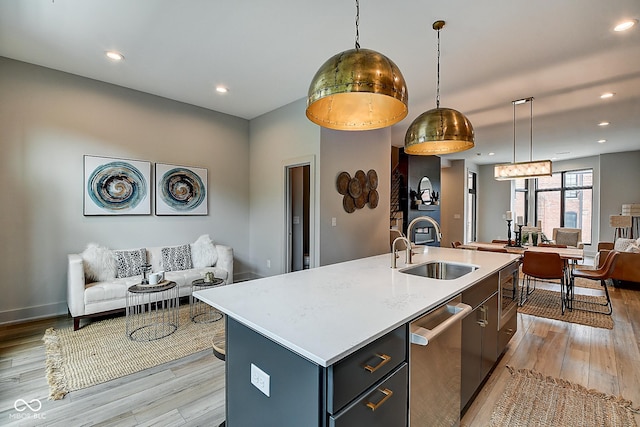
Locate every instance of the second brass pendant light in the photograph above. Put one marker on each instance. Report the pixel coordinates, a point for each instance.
(440, 130)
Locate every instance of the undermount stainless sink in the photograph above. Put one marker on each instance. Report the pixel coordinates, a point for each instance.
(440, 270)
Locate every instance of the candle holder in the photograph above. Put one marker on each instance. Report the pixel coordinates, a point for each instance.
(518, 242)
(509, 232)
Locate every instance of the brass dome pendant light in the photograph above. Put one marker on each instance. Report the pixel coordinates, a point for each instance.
(358, 89)
(440, 130)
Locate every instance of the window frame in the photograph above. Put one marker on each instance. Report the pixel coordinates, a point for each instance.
(564, 189)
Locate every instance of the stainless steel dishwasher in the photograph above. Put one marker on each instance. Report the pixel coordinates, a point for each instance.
(435, 365)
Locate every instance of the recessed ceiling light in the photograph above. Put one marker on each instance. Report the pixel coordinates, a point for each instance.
(602, 141)
(116, 56)
(603, 124)
(623, 26)
(607, 95)
(492, 154)
(221, 89)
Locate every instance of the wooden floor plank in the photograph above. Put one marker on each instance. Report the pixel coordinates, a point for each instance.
(190, 391)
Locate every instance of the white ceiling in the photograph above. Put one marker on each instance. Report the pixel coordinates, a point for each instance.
(563, 52)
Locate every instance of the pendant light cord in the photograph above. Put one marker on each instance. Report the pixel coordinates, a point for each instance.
(357, 24)
(531, 130)
(514, 132)
(438, 72)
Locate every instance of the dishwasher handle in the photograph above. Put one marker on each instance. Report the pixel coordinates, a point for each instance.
(422, 336)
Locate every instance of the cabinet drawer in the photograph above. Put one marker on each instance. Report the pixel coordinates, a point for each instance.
(507, 332)
(384, 405)
(475, 295)
(359, 371)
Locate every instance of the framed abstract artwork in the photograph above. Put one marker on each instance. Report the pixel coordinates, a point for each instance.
(181, 190)
(116, 186)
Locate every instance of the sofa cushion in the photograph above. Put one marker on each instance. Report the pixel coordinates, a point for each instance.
(99, 263)
(633, 248)
(569, 238)
(203, 253)
(176, 258)
(129, 262)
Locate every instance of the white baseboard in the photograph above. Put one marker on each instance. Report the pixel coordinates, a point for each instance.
(20, 315)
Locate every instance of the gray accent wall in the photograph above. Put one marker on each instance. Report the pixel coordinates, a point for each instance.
(364, 232)
(48, 121)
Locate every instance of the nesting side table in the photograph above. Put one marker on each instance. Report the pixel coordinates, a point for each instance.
(152, 311)
(202, 312)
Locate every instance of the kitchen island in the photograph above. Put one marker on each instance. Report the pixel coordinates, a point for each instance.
(289, 335)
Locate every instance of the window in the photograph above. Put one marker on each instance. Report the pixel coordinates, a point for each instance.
(471, 206)
(522, 199)
(565, 199)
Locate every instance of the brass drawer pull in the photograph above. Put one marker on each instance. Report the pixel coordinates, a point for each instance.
(388, 393)
(384, 360)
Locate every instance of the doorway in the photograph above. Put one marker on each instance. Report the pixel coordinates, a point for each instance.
(299, 218)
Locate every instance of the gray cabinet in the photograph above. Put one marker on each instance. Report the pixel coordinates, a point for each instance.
(367, 388)
(384, 405)
(479, 336)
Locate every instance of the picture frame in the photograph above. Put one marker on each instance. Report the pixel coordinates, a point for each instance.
(114, 186)
(181, 190)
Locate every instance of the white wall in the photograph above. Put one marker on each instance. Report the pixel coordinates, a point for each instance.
(620, 181)
(48, 121)
(364, 232)
(281, 137)
(493, 202)
(453, 200)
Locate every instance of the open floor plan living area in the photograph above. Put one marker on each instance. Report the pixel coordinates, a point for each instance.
(323, 214)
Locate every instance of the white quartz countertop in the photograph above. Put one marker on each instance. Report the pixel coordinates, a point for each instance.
(327, 313)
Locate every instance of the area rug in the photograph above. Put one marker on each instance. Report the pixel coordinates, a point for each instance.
(532, 399)
(101, 351)
(546, 303)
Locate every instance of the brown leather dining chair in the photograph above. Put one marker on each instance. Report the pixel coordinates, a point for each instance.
(603, 273)
(542, 265)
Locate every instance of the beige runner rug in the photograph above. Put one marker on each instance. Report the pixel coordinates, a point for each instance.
(532, 399)
(101, 351)
(546, 303)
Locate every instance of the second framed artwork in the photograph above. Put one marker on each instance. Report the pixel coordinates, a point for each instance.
(181, 190)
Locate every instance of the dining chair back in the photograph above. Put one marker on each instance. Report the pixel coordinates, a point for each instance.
(602, 273)
(455, 244)
(542, 265)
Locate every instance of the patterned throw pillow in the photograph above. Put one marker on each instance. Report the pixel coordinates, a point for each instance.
(176, 258)
(129, 262)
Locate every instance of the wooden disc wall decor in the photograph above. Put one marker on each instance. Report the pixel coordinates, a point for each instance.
(359, 190)
(373, 198)
(372, 177)
(355, 190)
(348, 203)
(342, 183)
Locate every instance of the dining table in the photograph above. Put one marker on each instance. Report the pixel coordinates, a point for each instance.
(569, 255)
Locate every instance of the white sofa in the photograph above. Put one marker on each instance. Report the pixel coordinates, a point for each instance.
(87, 298)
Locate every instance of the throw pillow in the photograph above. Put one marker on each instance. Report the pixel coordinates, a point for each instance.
(99, 263)
(176, 258)
(633, 248)
(569, 238)
(203, 252)
(129, 262)
(621, 245)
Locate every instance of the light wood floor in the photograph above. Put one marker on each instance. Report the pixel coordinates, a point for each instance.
(190, 391)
